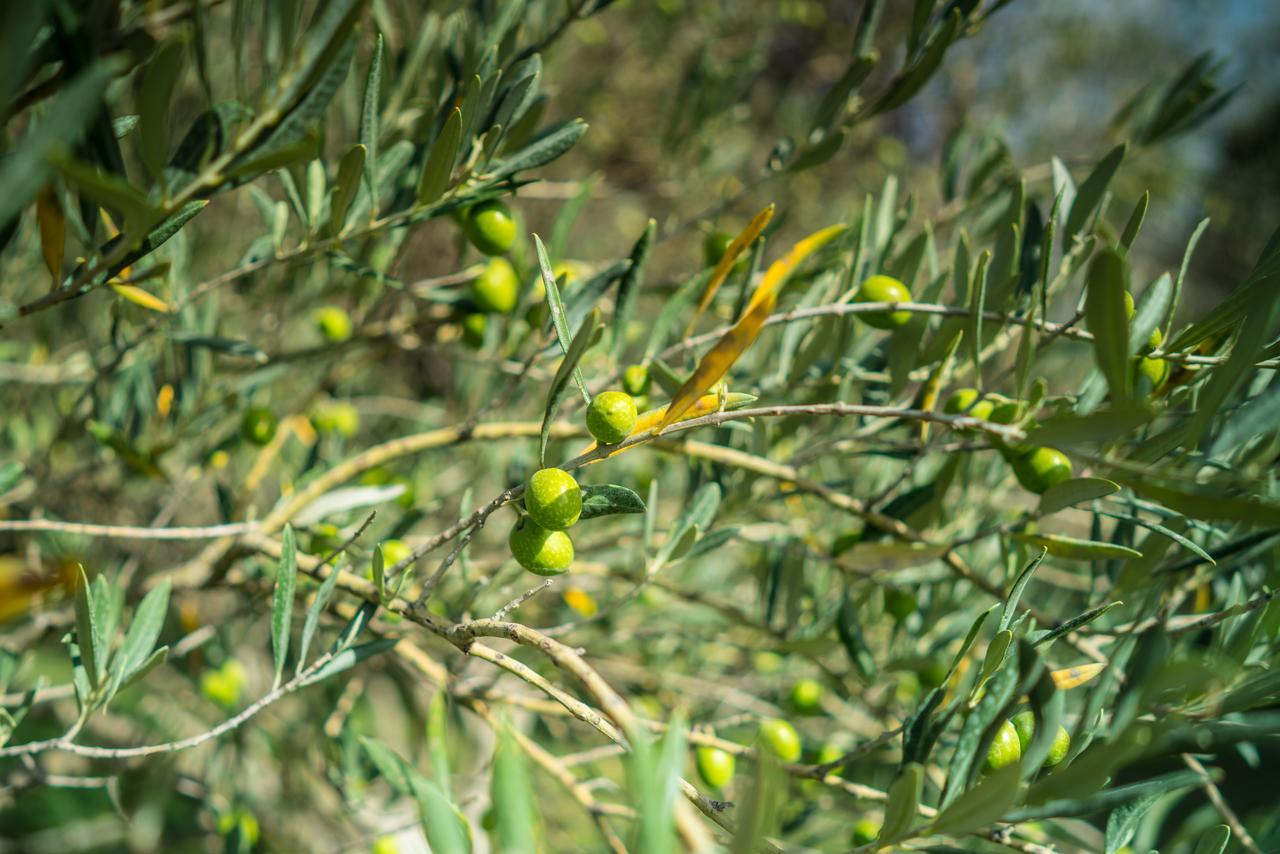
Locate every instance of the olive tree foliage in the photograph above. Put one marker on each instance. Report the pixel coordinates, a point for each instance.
(265, 433)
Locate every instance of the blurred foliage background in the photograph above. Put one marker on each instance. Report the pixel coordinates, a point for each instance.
(772, 553)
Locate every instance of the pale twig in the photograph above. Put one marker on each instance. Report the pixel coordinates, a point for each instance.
(1214, 795)
(127, 532)
(66, 743)
(501, 613)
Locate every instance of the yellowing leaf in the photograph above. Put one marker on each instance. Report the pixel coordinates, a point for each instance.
(53, 230)
(164, 400)
(138, 296)
(1073, 677)
(581, 602)
(726, 262)
(720, 358)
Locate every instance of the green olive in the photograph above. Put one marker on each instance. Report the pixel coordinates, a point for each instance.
(636, 380)
(225, 685)
(899, 603)
(538, 550)
(611, 417)
(1024, 723)
(473, 329)
(884, 289)
(258, 425)
(780, 739)
(490, 227)
(715, 766)
(333, 322)
(865, 832)
(932, 673)
(497, 287)
(1041, 469)
(337, 417)
(1004, 750)
(806, 696)
(553, 499)
(1153, 371)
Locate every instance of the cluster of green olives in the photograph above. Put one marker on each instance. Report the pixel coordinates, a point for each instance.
(491, 229)
(1036, 468)
(1014, 736)
(553, 499)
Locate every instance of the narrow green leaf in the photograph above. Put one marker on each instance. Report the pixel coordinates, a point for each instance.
(1150, 313)
(1124, 821)
(318, 604)
(513, 799)
(996, 651)
(87, 630)
(369, 125)
(1074, 623)
(629, 285)
(438, 739)
(981, 805)
(26, 168)
(1075, 549)
(1011, 603)
(282, 601)
(345, 186)
(1070, 492)
(1178, 538)
(140, 672)
(542, 150)
(904, 798)
(912, 79)
(158, 80)
(977, 307)
(1090, 194)
(588, 334)
(1105, 314)
(1215, 841)
(1207, 503)
(144, 631)
(558, 319)
(609, 499)
(445, 827)
(1182, 275)
(378, 568)
(439, 166)
(349, 658)
(1134, 224)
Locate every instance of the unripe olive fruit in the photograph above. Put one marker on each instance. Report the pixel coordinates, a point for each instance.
(899, 603)
(932, 674)
(715, 766)
(385, 845)
(1041, 469)
(636, 380)
(258, 425)
(553, 499)
(1154, 371)
(829, 753)
(960, 401)
(611, 417)
(766, 662)
(225, 685)
(806, 696)
(1005, 750)
(780, 739)
(538, 550)
(473, 329)
(337, 417)
(242, 819)
(496, 289)
(490, 227)
(1024, 723)
(865, 832)
(333, 322)
(884, 289)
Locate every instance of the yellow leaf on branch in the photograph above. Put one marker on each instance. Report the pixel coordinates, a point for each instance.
(717, 362)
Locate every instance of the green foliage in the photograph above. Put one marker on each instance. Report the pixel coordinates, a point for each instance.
(283, 373)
